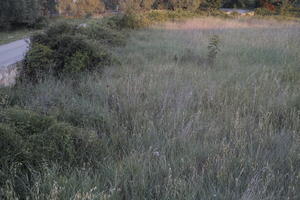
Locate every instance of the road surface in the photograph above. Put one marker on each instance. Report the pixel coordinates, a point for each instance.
(13, 52)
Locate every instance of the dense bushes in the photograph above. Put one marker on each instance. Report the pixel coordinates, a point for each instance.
(135, 20)
(60, 50)
(30, 141)
(153, 4)
(211, 5)
(105, 32)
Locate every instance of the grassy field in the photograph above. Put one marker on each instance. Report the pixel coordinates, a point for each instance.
(181, 120)
(10, 36)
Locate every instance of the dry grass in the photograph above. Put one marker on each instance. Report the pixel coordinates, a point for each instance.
(211, 23)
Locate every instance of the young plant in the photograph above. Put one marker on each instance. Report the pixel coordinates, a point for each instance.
(213, 49)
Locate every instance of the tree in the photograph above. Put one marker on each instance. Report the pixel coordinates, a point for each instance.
(211, 5)
(177, 4)
(111, 4)
(80, 7)
(24, 12)
(48, 7)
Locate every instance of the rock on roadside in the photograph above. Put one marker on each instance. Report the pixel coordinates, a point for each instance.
(8, 75)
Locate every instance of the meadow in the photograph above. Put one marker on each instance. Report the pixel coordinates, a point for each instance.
(205, 108)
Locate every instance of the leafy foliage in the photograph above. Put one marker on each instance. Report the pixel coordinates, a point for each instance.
(211, 5)
(60, 51)
(80, 8)
(30, 141)
(213, 49)
(105, 32)
(25, 12)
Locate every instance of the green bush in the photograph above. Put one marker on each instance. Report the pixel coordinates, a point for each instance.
(4, 98)
(25, 122)
(106, 33)
(211, 5)
(43, 137)
(191, 5)
(30, 141)
(60, 51)
(133, 20)
(38, 61)
(11, 144)
(76, 62)
(129, 20)
(53, 144)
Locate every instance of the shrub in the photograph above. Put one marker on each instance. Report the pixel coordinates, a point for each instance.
(186, 5)
(43, 137)
(11, 144)
(106, 33)
(177, 4)
(61, 51)
(137, 4)
(38, 62)
(133, 20)
(211, 5)
(25, 122)
(264, 12)
(76, 62)
(4, 98)
(213, 49)
(53, 144)
(30, 141)
(285, 7)
(113, 22)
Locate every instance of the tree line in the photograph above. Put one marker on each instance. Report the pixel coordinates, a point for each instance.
(14, 13)
(25, 12)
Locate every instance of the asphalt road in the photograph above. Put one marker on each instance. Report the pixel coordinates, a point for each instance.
(13, 52)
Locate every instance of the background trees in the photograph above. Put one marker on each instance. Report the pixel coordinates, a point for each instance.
(80, 8)
(24, 12)
(15, 13)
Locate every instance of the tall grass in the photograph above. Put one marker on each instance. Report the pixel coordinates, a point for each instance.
(173, 128)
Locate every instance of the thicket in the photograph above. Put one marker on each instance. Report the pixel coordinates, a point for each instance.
(65, 50)
(29, 142)
(31, 13)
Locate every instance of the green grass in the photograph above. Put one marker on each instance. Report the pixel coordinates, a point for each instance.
(172, 126)
(10, 36)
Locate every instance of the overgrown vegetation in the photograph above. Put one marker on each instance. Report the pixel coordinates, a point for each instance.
(161, 113)
(156, 127)
(65, 49)
(213, 49)
(30, 142)
(81, 8)
(34, 13)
